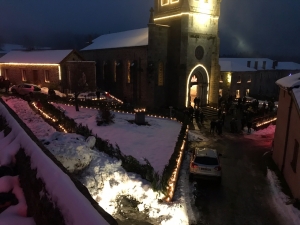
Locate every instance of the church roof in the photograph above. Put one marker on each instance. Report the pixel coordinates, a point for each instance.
(41, 56)
(231, 66)
(131, 38)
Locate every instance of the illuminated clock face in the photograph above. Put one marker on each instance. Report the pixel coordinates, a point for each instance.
(199, 52)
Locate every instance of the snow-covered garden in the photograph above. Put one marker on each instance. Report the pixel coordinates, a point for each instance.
(105, 177)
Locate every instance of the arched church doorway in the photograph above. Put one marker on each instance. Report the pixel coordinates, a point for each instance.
(197, 86)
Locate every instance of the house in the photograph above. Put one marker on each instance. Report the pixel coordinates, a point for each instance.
(253, 77)
(47, 68)
(287, 134)
(169, 62)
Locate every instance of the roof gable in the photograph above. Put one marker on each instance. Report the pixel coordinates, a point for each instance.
(131, 38)
(43, 56)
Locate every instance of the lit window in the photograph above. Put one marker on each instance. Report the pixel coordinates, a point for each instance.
(174, 1)
(237, 94)
(247, 92)
(24, 78)
(128, 72)
(205, 1)
(6, 74)
(221, 78)
(295, 156)
(47, 79)
(249, 79)
(165, 2)
(221, 92)
(160, 74)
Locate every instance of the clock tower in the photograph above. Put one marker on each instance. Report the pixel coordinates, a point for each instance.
(192, 55)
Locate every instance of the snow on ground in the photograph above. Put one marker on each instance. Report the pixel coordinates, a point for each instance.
(138, 141)
(106, 179)
(270, 130)
(279, 200)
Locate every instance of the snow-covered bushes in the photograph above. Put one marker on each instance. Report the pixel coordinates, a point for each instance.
(104, 116)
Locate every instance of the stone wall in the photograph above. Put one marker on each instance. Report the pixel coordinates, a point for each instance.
(112, 71)
(14, 74)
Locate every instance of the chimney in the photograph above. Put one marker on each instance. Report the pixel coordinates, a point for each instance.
(275, 63)
(255, 65)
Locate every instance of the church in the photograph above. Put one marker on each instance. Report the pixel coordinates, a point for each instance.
(174, 59)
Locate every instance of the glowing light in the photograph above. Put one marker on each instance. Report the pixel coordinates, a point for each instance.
(59, 72)
(200, 15)
(140, 110)
(266, 122)
(187, 85)
(30, 64)
(229, 77)
(174, 176)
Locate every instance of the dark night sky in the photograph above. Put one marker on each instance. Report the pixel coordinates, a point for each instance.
(266, 27)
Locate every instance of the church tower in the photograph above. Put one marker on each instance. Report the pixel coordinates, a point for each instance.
(192, 58)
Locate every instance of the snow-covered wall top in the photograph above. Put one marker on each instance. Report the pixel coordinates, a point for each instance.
(40, 56)
(74, 206)
(131, 38)
(292, 81)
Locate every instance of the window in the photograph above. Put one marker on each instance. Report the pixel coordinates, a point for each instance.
(249, 79)
(255, 64)
(247, 92)
(221, 92)
(239, 79)
(221, 78)
(115, 71)
(6, 74)
(24, 78)
(248, 63)
(237, 94)
(160, 74)
(47, 79)
(128, 72)
(165, 2)
(295, 156)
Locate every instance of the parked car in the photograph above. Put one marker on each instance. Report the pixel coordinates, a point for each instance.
(25, 89)
(87, 96)
(205, 163)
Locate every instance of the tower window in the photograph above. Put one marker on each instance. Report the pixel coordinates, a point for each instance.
(165, 2)
(128, 72)
(160, 74)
